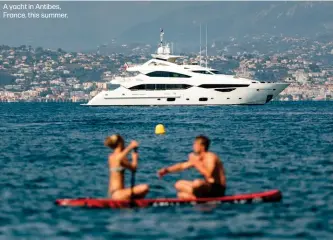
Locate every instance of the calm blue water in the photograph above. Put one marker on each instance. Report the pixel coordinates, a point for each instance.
(51, 151)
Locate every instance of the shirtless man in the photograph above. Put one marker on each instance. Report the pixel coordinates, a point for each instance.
(208, 164)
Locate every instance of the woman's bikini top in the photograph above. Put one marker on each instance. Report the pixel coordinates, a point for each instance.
(117, 169)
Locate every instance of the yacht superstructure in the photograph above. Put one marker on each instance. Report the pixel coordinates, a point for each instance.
(162, 81)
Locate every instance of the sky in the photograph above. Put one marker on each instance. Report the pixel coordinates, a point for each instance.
(88, 23)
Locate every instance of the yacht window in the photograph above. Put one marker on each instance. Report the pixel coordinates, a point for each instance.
(167, 74)
(161, 59)
(215, 72)
(225, 90)
(222, 85)
(158, 74)
(179, 75)
(151, 87)
(174, 86)
(171, 99)
(138, 87)
(175, 75)
(177, 86)
(203, 99)
(201, 71)
(160, 86)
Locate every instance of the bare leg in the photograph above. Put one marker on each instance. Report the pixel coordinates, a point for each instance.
(184, 186)
(184, 195)
(138, 192)
(190, 189)
(200, 188)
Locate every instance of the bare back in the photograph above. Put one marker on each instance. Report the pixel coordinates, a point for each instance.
(116, 171)
(218, 173)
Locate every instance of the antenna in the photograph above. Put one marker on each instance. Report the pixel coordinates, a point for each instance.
(172, 48)
(206, 46)
(200, 46)
(161, 36)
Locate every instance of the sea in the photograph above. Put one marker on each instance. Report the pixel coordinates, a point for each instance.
(55, 150)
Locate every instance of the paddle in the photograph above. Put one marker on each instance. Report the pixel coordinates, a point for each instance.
(133, 183)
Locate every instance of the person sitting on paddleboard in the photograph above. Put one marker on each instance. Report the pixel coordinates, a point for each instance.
(208, 164)
(118, 162)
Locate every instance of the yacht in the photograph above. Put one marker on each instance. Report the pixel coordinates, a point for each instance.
(164, 81)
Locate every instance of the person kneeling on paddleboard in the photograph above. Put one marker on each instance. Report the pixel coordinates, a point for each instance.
(118, 162)
(208, 164)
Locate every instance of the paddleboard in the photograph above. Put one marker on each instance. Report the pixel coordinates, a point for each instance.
(267, 196)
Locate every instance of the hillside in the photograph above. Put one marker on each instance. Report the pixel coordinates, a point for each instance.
(236, 19)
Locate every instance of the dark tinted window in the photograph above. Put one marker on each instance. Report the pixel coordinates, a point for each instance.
(201, 71)
(151, 87)
(158, 74)
(161, 59)
(177, 86)
(222, 85)
(171, 99)
(167, 74)
(138, 87)
(160, 87)
(203, 99)
(225, 90)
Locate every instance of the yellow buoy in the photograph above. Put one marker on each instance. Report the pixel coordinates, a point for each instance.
(159, 129)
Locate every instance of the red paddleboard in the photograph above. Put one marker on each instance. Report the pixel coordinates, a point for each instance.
(267, 196)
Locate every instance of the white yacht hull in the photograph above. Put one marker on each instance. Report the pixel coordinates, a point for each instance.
(255, 94)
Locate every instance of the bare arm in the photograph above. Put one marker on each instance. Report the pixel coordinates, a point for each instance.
(131, 165)
(175, 168)
(124, 153)
(179, 167)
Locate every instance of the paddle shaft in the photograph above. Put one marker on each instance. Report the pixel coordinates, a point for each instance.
(132, 183)
(133, 179)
